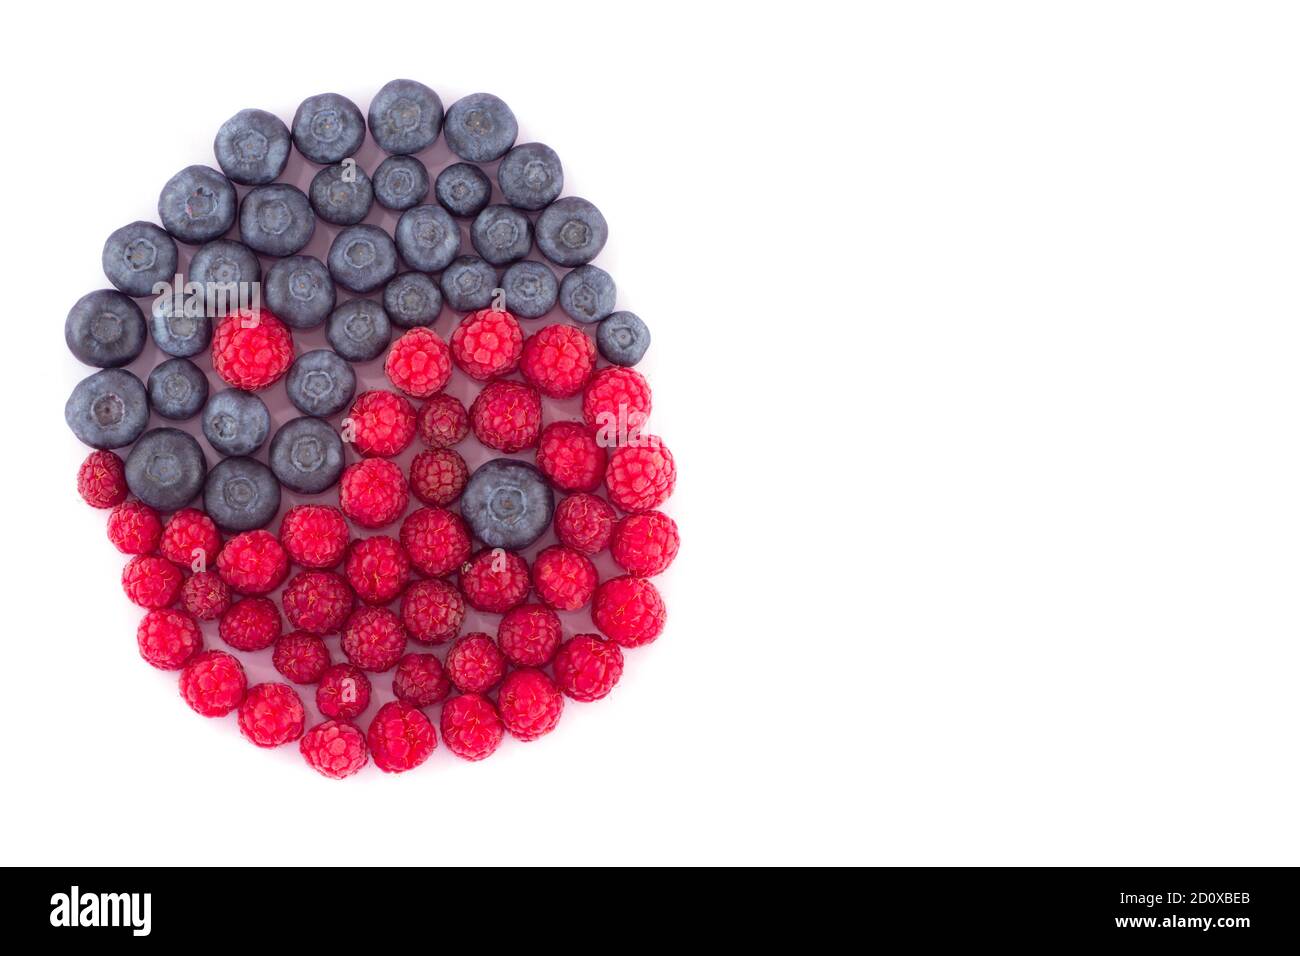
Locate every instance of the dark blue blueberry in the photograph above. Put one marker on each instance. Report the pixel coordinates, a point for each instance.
(181, 333)
(276, 220)
(507, 504)
(501, 234)
(105, 329)
(299, 291)
(468, 284)
(166, 469)
(226, 270)
(241, 494)
(177, 389)
(359, 330)
(252, 147)
(463, 189)
(587, 294)
(320, 383)
(412, 299)
(307, 455)
(427, 238)
(530, 288)
(622, 338)
(108, 409)
(139, 256)
(531, 176)
(236, 422)
(328, 128)
(401, 182)
(341, 194)
(405, 116)
(197, 204)
(362, 258)
(480, 128)
(571, 231)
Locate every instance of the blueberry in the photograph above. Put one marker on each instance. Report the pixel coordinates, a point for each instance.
(531, 176)
(359, 330)
(177, 389)
(362, 258)
(501, 234)
(463, 189)
(236, 422)
(197, 204)
(587, 294)
(307, 455)
(183, 333)
(108, 409)
(412, 299)
(252, 147)
(299, 291)
(226, 270)
(328, 127)
(571, 231)
(401, 182)
(341, 194)
(276, 220)
(468, 284)
(137, 257)
(480, 128)
(531, 289)
(320, 383)
(622, 338)
(166, 469)
(105, 329)
(427, 238)
(507, 504)
(241, 494)
(405, 116)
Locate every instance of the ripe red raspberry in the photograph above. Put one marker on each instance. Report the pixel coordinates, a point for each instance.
(189, 535)
(558, 360)
(151, 581)
(206, 596)
(400, 737)
(314, 535)
(382, 424)
(374, 639)
(507, 416)
(250, 624)
(587, 667)
(101, 480)
(251, 350)
(629, 611)
(334, 749)
(641, 477)
(420, 680)
(529, 634)
(564, 578)
(253, 562)
(419, 363)
(530, 704)
(442, 421)
(645, 544)
(487, 344)
(432, 611)
(377, 568)
(317, 602)
(438, 476)
(617, 398)
(494, 580)
(436, 540)
(474, 664)
(569, 456)
(271, 715)
(134, 528)
(584, 523)
(301, 657)
(470, 727)
(343, 692)
(373, 492)
(213, 683)
(168, 639)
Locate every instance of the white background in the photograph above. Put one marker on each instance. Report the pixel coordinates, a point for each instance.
(976, 342)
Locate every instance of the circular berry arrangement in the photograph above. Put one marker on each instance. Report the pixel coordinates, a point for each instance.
(367, 431)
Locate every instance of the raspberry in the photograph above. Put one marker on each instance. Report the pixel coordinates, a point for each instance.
(251, 350)
(436, 540)
(584, 523)
(470, 727)
(168, 639)
(629, 611)
(432, 611)
(442, 421)
(558, 360)
(641, 477)
(507, 416)
(530, 704)
(317, 602)
(529, 634)
(373, 492)
(334, 749)
(206, 596)
(134, 528)
(377, 569)
(374, 639)
(188, 536)
(569, 456)
(383, 423)
(564, 578)
(419, 363)
(494, 580)
(151, 581)
(314, 535)
(474, 664)
(271, 715)
(343, 692)
(587, 667)
(101, 480)
(301, 657)
(253, 562)
(487, 344)
(250, 624)
(400, 737)
(213, 683)
(616, 397)
(438, 476)
(420, 680)
(645, 544)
